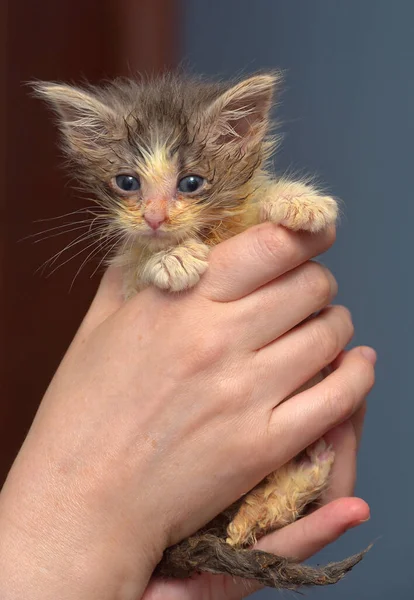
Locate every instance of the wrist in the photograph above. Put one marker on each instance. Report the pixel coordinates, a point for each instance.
(51, 548)
(35, 566)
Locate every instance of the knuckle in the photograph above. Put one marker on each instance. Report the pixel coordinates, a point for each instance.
(325, 340)
(202, 351)
(342, 402)
(368, 375)
(273, 243)
(347, 395)
(330, 333)
(346, 320)
(318, 282)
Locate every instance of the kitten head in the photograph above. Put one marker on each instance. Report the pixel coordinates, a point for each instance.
(169, 158)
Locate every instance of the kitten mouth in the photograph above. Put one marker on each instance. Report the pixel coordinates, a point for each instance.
(157, 233)
(159, 236)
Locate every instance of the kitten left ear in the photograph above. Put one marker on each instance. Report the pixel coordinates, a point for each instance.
(83, 118)
(71, 102)
(240, 115)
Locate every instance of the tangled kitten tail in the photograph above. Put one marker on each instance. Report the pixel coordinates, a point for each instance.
(208, 553)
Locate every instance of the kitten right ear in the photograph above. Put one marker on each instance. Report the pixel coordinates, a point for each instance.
(83, 118)
(239, 117)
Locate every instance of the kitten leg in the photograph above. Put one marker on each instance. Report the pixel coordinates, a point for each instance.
(178, 268)
(282, 497)
(297, 205)
(131, 282)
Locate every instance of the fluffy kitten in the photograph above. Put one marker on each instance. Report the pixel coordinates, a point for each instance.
(179, 165)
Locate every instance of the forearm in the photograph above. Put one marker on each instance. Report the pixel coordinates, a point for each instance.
(37, 567)
(55, 546)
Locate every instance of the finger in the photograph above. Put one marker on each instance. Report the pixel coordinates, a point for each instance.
(304, 351)
(307, 536)
(344, 469)
(359, 417)
(108, 299)
(260, 254)
(285, 302)
(358, 421)
(368, 352)
(345, 441)
(298, 541)
(312, 413)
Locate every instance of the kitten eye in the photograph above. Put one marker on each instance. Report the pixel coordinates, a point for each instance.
(189, 184)
(127, 183)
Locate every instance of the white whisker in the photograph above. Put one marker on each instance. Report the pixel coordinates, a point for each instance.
(69, 214)
(83, 237)
(105, 255)
(93, 253)
(56, 234)
(94, 243)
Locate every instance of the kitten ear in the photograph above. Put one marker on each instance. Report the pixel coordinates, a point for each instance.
(240, 115)
(83, 118)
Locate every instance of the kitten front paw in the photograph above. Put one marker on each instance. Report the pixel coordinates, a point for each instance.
(299, 208)
(177, 269)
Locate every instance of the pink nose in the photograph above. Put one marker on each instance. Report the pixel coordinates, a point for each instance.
(154, 222)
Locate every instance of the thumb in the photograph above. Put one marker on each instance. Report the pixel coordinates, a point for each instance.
(308, 535)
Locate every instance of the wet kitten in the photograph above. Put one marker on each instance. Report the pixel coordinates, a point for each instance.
(180, 165)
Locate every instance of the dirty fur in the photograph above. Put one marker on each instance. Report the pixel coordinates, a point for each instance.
(177, 165)
(210, 554)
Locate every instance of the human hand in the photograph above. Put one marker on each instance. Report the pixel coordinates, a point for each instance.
(167, 408)
(338, 512)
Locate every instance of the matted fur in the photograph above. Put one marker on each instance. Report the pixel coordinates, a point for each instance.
(160, 131)
(210, 554)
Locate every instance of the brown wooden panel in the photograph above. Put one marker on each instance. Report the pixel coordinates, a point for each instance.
(63, 40)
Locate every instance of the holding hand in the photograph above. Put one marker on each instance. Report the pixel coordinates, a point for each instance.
(167, 408)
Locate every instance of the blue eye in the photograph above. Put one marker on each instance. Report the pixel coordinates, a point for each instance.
(190, 184)
(127, 183)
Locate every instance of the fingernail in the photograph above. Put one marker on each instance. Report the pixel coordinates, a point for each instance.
(365, 520)
(356, 523)
(369, 354)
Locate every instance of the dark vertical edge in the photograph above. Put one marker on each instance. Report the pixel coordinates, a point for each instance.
(3, 146)
(149, 35)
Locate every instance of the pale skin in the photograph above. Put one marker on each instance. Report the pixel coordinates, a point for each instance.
(131, 451)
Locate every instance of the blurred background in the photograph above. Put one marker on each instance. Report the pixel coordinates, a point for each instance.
(347, 113)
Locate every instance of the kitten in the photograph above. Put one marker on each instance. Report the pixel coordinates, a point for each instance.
(180, 165)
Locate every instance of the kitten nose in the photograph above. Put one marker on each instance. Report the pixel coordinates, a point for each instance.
(154, 221)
